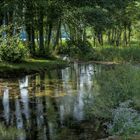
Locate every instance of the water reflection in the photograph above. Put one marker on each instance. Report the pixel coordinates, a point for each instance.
(19, 119)
(6, 105)
(50, 106)
(23, 85)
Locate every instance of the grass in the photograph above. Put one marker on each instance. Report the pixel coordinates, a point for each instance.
(116, 100)
(86, 52)
(114, 54)
(10, 133)
(29, 66)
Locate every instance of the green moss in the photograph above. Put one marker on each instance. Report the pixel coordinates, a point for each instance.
(29, 66)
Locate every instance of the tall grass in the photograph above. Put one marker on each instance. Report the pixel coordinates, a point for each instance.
(116, 54)
(115, 87)
(9, 133)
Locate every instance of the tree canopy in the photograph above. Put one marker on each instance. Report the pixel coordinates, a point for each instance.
(44, 20)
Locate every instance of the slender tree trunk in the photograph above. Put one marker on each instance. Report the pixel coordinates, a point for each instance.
(100, 38)
(1, 15)
(41, 34)
(129, 34)
(33, 40)
(49, 35)
(84, 34)
(109, 37)
(10, 22)
(113, 36)
(28, 30)
(72, 38)
(1, 19)
(57, 35)
(94, 40)
(118, 38)
(6, 18)
(125, 36)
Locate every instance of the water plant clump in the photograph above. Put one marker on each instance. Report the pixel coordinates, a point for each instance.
(125, 120)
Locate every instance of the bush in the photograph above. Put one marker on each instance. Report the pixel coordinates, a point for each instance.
(125, 122)
(13, 50)
(76, 49)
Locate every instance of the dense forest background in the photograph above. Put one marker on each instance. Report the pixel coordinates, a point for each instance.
(44, 24)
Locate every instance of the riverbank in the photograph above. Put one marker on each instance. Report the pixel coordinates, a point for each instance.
(106, 54)
(30, 66)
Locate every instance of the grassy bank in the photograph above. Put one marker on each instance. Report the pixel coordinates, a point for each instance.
(127, 54)
(116, 100)
(102, 53)
(30, 66)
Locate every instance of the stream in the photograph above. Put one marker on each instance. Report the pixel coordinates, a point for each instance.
(50, 105)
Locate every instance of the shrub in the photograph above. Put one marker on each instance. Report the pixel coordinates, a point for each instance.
(126, 120)
(75, 49)
(12, 49)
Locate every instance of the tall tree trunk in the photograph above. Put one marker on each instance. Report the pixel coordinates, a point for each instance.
(113, 36)
(84, 35)
(57, 34)
(100, 38)
(125, 36)
(10, 22)
(50, 26)
(28, 30)
(33, 40)
(129, 33)
(6, 18)
(118, 38)
(109, 37)
(41, 34)
(1, 19)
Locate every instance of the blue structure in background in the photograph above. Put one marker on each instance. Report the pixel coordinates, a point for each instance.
(65, 36)
(23, 35)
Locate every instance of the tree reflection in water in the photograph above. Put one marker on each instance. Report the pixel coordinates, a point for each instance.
(57, 115)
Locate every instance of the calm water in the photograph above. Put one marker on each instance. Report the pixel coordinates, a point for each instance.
(50, 106)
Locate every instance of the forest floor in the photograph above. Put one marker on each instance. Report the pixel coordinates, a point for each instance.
(30, 66)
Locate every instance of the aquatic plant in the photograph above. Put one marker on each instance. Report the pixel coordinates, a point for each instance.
(125, 120)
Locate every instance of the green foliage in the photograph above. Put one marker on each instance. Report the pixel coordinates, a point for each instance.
(114, 87)
(108, 20)
(116, 99)
(128, 54)
(75, 49)
(12, 49)
(9, 133)
(125, 122)
(85, 51)
(121, 84)
(29, 66)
